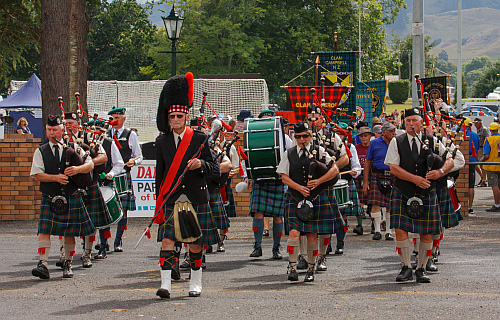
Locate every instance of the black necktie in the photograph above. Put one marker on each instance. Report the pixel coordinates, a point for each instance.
(178, 142)
(56, 154)
(414, 149)
(303, 158)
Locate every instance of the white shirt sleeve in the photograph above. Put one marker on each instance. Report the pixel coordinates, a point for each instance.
(37, 165)
(133, 142)
(233, 155)
(355, 160)
(116, 160)
(284, 166)
(392, 156)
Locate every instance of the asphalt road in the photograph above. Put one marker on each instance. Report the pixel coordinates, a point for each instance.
(359, 284)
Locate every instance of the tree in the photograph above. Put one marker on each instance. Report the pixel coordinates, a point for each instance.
(19, 39)
(403, 46)
(443, 55)
(464, 91)
(488, 81)
(118, 42)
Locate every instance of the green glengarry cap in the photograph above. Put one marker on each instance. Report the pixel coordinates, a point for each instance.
(119, 110)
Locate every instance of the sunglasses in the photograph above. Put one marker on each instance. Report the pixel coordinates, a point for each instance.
(173, 116)
(301, 136)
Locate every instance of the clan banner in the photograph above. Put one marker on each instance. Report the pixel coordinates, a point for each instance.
(436, 88)
(364, 104)
(300, 96)
(342, 72)
(378, 88)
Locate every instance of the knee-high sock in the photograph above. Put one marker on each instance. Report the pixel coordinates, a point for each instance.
(436, 239)
(377, 218)
(89, 242)
(258, 229)
(416, 242)
(43, 251)
(166, 261)
(388, 221)
(403, 249)
(424, 252)
(69, 251)
(195, 260)
(292, 247)
(303, 246)
(277, 234)
(120, 228)
(104, 235)
(340, 238)
(312, 252)
(323, 242)
(360, 220)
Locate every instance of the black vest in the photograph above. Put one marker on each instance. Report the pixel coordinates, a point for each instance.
(299, 172)
(418, 167)
(125, 151)
(52, 166)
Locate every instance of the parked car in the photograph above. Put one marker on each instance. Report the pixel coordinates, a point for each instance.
(479, 111)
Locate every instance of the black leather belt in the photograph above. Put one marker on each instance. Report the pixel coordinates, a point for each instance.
(385, 172)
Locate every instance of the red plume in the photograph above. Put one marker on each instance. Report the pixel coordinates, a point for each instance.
(190, 80)
(348, 151)
(349, 137)
(226, 126)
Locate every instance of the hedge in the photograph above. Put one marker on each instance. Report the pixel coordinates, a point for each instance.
(399, 91)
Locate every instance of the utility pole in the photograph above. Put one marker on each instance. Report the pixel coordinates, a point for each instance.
(459, 59)
(418, 46)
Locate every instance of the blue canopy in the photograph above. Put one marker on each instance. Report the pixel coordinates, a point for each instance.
(29, 96)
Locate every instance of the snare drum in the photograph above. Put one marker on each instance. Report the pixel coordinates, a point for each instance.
(341, 192)
(453, 195)
(120, 182)
(114, 206)
(264, 143)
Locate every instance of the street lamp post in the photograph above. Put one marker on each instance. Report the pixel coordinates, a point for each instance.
(173, 25)
(360, 8)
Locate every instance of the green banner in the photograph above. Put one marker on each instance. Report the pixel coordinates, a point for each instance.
(378, 88)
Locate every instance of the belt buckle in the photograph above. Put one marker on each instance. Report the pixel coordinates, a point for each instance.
(387, 173)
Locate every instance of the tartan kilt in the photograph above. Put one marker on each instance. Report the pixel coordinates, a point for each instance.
(449, 218)
(231, 207)
(267, 199)
(75, 223)
(218, 211)
(363, 198)
(326, 215)
(96, 207)
(354, 209)
(207, 224)
(429, 223)
(375, 197)
(128, 201)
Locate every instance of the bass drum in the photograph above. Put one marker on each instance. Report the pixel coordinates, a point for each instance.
(114, 207)
(264, 143)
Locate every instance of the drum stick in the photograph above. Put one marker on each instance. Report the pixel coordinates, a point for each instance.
(352, 171)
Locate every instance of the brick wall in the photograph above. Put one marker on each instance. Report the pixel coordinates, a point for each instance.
(463, 180)
(242, 199)
(19, 195)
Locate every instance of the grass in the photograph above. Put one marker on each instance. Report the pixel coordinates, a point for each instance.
(390, 107)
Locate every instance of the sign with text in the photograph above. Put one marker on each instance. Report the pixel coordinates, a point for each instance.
(143, 180)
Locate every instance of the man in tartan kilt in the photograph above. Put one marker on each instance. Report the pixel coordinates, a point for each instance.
(416, 168)
(375, 174)
(128, 143)
(294, 168)
(49, 167)
(181, 148)
(267, 200)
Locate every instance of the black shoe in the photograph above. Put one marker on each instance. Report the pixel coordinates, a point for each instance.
(435, 258)
(209, 249)
(265, 233)
(86, 263)
(405, 274)
(277, 254)
(194, 294)
(422, 276)
(430, 266)
(339, 251)
(309, 276)
(67, 270)
(471, 212)
(185, 264)
(377, 236)
(176, 274)
(257, 252)
(292, 274)
(493, 209)
(101, 254)
(41, 271)
(301, 263)
(163, 293)
(60, 262)
(389, 237)
(220, 247)
(358, 230)
(321, 263)
(118, 247)
(203, 264)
